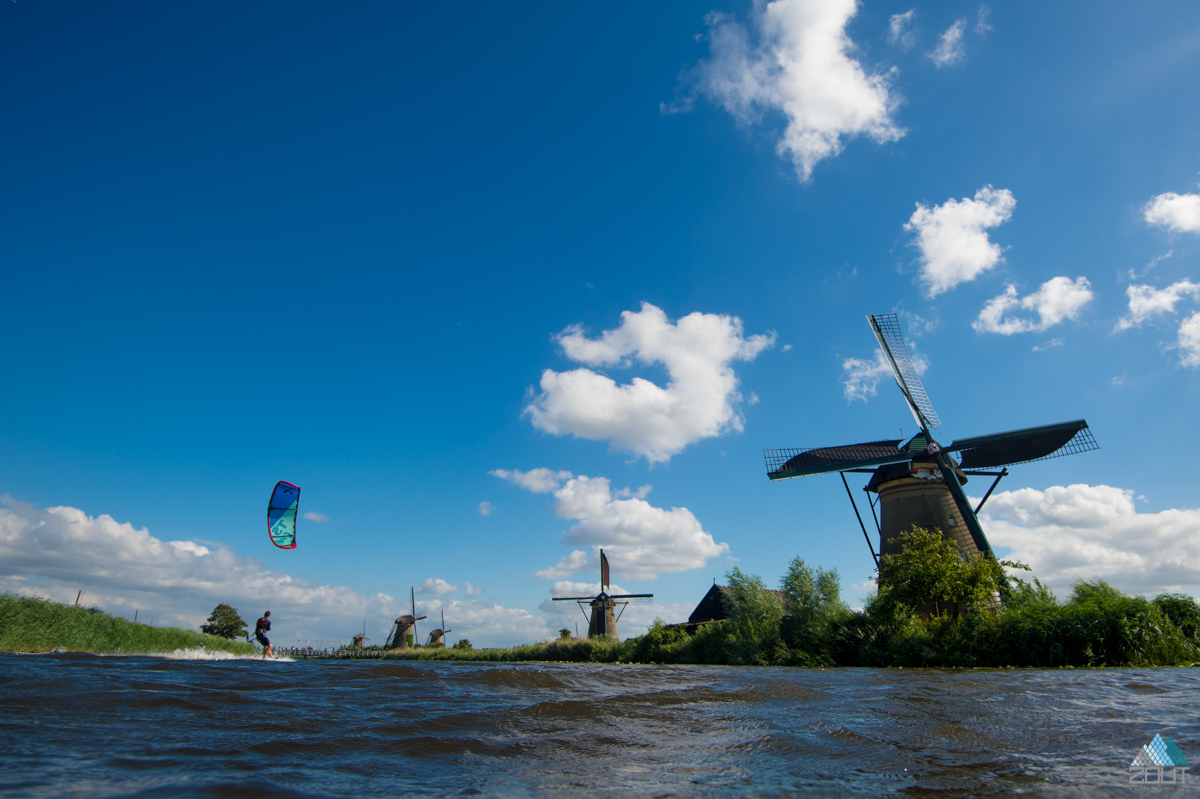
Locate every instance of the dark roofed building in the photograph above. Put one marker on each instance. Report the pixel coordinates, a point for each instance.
(715, 605)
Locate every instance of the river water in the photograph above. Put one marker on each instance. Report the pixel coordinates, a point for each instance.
(80, 725)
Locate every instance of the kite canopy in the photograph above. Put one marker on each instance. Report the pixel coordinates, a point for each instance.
(281, 514)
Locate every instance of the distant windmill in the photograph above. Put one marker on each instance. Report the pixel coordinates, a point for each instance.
(404, 630)
(604, 617)
(436, 636)
(359, 640)
(918, 483)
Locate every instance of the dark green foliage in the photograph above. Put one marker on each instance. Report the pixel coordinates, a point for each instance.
(813, 603)
(35, 625)
(1183, 612)
(462, 644)
(225, 622)
(930, 569)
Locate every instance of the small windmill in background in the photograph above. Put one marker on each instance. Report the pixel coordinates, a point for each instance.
(603, 620)
(917, 481)
(436, 636)
(404, 630)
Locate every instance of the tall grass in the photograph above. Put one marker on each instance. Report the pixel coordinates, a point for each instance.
(36, 625)
(601, 649)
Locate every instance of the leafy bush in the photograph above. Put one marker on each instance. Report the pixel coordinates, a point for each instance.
(225, 622)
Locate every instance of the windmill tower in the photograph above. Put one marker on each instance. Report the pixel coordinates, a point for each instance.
(404, 629)
(604, 614)
(917, 482)
(436, 636)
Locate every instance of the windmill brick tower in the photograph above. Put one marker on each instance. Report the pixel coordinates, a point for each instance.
(603, 617)
(404, 628)
(918, 482)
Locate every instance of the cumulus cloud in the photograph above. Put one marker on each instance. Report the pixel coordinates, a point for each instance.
(1058, 300)
(1084, 531)
(436, 586)
(860, 378)
(950, 49)
(1178, 213)
(900, 29)
(700, 399)
(54, 552)
(953, 241)
(1147, 302)
(795, 58)
(640, 540)
(313, 516)
(1189, 341)
(539, 481)
(473, 590)
(485, 508)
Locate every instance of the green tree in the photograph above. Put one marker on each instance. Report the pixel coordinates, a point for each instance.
(930, 569)
(225, 622)
(756, 610)
(462, 643)
(811, 594)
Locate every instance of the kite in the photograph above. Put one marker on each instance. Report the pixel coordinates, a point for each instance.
(281, 514)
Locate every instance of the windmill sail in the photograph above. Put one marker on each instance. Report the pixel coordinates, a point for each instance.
(786, 463)
(1023, 446)
(603, 570)
(887, 332)
(281, 514)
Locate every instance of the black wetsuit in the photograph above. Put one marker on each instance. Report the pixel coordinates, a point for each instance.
(260, 631)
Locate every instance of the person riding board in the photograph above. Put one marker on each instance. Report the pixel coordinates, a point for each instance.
(260, 632)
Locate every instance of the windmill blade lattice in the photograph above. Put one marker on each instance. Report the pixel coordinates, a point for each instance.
(786, 463)
(1025, 446)
(887, 332)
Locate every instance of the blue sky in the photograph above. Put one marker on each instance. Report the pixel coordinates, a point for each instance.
(343, 246)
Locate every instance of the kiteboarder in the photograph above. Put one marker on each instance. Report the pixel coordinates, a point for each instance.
(260, 632)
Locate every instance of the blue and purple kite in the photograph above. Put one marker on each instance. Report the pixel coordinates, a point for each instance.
(281, 514)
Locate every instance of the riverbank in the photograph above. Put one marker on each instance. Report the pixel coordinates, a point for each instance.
(37, 625)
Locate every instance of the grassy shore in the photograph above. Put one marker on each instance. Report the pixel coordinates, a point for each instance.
(36, 625)
(575, 650)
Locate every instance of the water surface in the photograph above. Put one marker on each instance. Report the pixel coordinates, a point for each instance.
(79, 725)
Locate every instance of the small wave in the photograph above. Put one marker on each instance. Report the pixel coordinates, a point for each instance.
(200, 653)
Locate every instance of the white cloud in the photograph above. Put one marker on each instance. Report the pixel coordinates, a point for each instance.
(950, 49)
(861, 378)
(1084, 531)
(539, 481)
(485, 508)
(640, 540)
(312, 516)
(54, 552)
(1189, 341)
(952, 237)
(700, 400)
(982, 26)
(1048, 345)
(1179, 213)
(567, 565)
(1058, 300)
(796, 59)
(473, 590)
(436, 586)
(1147, 302)
(900, 29)
(483, 623)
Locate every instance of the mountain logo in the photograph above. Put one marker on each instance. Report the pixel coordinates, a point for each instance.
(1158, 759)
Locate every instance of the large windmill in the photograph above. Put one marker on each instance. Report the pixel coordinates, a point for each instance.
(918, 482)
(404, 629)
(603, 620)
